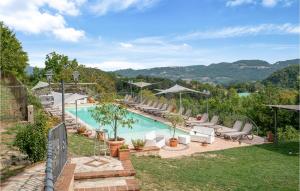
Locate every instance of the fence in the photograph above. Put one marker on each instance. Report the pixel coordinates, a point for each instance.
(57, 155)
(13, 102)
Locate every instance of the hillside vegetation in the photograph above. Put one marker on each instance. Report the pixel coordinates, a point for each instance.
(288, 77)
(220, 73)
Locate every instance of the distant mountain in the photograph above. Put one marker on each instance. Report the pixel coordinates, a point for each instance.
(220, 73)
(287, 77)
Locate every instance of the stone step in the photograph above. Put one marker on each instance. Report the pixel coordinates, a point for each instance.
(107, 184)
(91, 169)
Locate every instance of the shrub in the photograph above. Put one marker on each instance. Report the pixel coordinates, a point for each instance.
(32, 140)
(123, 147)
(138, 143)
(288, 133)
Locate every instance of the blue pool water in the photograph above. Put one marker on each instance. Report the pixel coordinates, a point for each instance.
(140, 127)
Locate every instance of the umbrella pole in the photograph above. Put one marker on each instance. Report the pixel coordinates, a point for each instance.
(207, 105)
(180, 100)
(141, 95)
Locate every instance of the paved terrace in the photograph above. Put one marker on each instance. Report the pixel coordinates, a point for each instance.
(193, 147)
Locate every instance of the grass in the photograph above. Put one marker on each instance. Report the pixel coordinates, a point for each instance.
(264, 167)
(80, 145)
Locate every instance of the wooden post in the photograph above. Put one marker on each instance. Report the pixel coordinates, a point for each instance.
(275, 126)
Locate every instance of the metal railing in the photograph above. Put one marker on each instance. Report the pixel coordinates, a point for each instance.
(57, 155)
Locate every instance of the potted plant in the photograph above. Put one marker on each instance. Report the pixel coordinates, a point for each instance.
(175, 120)
(81, 130)
(115, 116)
(124, 152)
(138, 144)
(270, 136)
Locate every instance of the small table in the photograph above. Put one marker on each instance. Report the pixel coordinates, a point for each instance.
(184, 139)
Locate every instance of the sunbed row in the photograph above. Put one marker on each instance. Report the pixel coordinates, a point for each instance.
(238, 131)
(155, 107)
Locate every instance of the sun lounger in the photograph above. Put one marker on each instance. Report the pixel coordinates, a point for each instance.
(152, 139)
(246, 132)
(161, 113)
(154, 105)
(204, 118)
(158, 106)
(187, 114)
(202, 134)
(149, 103)
(135, 100)
(141, 103)
(162, 108)
(214, 120)
(220, 130)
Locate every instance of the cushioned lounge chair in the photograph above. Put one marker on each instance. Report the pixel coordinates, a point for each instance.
(220, 130)
(152, 139)
(246, 132)
(161, 113)
(214, 121)
(202, 134)
(204, 118)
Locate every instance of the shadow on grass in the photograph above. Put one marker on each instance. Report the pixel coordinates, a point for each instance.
(290, 148)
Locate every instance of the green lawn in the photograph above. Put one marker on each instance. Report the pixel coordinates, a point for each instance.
(264, 167)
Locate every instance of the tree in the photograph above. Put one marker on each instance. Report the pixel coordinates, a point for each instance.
(61, 66)
(113, 115)
(12, 57)
(175, 120)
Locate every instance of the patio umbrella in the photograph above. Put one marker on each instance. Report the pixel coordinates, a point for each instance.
(180, 89)
(39, 85)
(140, 85)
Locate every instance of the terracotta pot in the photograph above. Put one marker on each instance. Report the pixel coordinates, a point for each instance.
(270, 136)
(114, 146)
(199, 117)
(173, 142)
(124, 154)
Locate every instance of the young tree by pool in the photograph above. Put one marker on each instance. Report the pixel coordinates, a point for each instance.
(113, 115)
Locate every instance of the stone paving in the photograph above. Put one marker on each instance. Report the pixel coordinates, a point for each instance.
(218, 144)
(31, 179)
(97, 163)
(103, 173)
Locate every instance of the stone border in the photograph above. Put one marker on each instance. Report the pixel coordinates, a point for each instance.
(65, 181)
(131, 185)
(128, 171)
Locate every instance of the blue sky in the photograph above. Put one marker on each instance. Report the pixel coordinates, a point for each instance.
(118, 34)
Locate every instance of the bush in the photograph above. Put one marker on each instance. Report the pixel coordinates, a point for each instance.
(32, 140)
(138, 143)
(288, 133)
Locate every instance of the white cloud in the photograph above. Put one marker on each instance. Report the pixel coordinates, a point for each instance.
(32, 17)
(269, 3)
(111, 65)
(68, 34)
(126, 45)
(264, 3)
(233, 3)
(230, 32)
(104, 6)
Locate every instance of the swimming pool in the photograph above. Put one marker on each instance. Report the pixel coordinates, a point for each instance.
(140, 127)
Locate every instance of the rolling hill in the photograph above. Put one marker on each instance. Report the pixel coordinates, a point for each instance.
(220, 73)
(288, 77)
